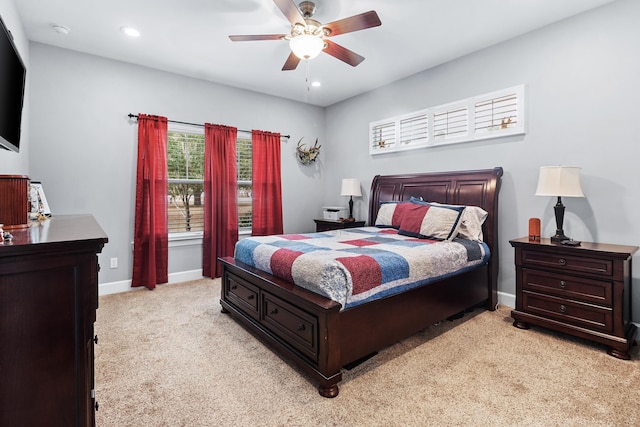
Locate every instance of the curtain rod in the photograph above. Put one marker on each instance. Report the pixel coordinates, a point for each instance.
(201, 125)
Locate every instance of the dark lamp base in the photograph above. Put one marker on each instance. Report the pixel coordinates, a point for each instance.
(559, 237)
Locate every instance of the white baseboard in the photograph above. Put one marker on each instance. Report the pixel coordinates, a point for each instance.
(125, 285)
(507, 299)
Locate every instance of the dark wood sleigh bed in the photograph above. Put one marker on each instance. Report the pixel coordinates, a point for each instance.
(313, 333)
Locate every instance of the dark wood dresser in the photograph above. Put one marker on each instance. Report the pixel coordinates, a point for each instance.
(580, 290)
(327, 224)
(48, 302)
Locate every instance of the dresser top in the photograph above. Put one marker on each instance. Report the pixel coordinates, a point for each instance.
(53, 232)
(546, 244)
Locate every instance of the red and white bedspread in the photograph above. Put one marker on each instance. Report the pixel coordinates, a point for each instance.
(356, 265)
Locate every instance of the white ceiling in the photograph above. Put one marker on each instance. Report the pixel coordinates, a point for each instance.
(190, 37)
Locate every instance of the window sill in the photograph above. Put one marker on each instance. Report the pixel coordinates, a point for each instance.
(185, 239)
(194, 239)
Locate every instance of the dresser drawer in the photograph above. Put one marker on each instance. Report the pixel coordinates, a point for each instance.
(577, 288)
(585, 315)
(579, 264)
(242, 294)
(297, 327)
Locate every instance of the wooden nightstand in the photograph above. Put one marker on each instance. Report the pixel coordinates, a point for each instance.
(326, 225)
(581, 290)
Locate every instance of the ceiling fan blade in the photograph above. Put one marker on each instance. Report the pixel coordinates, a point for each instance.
(245, 38)
(342, 53)
(291, 62)
(353, 23)
(290, 10)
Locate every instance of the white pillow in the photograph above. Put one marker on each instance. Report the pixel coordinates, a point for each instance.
(472, 219)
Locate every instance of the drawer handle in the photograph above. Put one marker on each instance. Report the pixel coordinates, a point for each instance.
(563, 284)
(562, 261)
(95, 339)
(274, 311)
(563, 308)
(250, 297)
(301, 327)
(234, 287)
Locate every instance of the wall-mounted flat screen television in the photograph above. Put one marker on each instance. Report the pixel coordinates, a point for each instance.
(12, 82)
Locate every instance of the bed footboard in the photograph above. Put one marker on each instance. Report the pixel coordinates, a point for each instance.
(299, 325)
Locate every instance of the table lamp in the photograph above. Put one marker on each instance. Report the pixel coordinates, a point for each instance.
(559, 181)
(350, 187)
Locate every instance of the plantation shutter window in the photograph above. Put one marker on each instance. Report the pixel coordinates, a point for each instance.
(450, 123)
(496, 113)
(382, 135)
(491, 115)
(414, 129)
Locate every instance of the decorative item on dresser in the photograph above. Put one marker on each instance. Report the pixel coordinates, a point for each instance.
(582, 290)
(319, 335)
(14, 197)
(48, 302)
(326, 225)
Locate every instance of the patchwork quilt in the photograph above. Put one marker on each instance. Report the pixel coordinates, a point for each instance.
(356, 265)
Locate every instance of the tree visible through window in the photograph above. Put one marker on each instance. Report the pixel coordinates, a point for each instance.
(185, 159)
(245, 200)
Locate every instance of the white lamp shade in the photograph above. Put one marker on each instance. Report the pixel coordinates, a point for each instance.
(306, 46)
(559, 181)
(350, 187)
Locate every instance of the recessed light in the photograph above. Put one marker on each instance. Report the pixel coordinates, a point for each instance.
(61, 29)
(316, 84)
(130, 31)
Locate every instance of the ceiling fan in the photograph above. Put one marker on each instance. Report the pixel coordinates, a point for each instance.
(309, 37)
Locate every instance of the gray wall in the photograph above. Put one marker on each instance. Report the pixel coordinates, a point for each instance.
(17, 163)
(583, 95)
(583, 102)
(84, 146)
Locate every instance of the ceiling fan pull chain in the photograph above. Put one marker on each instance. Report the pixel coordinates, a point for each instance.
(306, 79)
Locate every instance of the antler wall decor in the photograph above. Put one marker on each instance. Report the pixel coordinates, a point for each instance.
(308, 156)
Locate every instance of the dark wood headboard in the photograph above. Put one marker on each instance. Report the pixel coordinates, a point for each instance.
(475, 187)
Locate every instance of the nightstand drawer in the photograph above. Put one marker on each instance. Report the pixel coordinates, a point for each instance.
(242, 294)
(579, 264)
(297, 327)
(586, 315)
(581, 289)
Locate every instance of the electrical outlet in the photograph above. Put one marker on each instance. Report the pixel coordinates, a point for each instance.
(114, 262)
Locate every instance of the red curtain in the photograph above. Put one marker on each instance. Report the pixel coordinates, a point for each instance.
(220, 197)
(265, 183)
(151, 238)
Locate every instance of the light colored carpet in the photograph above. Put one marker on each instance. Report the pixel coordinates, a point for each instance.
(169, 357)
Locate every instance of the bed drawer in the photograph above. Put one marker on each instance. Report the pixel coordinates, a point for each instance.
(581, 289)
(298, 328)
(242, 294)
(579, 264)
(572, 312)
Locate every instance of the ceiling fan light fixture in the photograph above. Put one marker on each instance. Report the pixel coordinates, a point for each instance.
(306, 46)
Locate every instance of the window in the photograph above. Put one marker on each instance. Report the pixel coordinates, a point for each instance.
(382, 135)
(185, 161)
(496, 113)
(245, 202)
(492, 115)
(450, 123)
